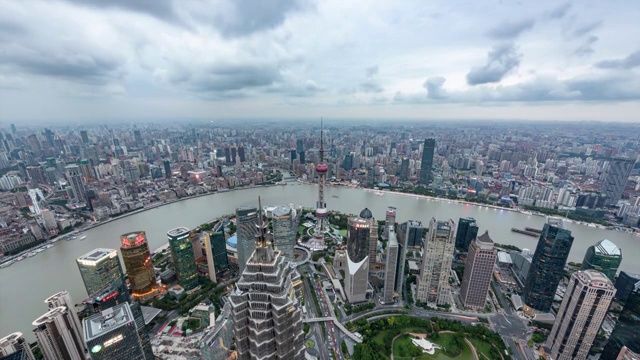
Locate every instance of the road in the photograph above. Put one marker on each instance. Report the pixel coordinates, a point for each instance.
(507, 323)
(311, 312)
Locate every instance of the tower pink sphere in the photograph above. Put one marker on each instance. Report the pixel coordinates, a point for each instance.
(322, 168)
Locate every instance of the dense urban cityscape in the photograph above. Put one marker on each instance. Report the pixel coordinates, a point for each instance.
(332, 180)
(336, 274)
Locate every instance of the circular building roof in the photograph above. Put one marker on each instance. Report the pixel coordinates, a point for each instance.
(366, 213)
(233, 241)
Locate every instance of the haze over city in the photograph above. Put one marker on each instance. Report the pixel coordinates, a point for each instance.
(95, 61)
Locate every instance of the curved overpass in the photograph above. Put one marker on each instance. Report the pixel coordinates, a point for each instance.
(337, 323)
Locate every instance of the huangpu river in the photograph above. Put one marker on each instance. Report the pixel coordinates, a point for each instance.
(25, 284)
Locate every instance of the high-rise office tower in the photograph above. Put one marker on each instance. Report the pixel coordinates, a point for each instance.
(167, 168)
(626, 330)
(391, 267)
(74, 177)
(104, 280)
(478, 271)
(321, 206)
(137, 137)
(547, 265)
(404, 169)
(84, 136)
(389, 221)
(427, 160)
(219, 251)
(581, 313)
(246, 222)
(373, 242)
(208, 250)
(234, 155)
(626, 283)
(358, 240)
(402, 255)
(466, 233)
(285, 229)
(410, 233)
(113, 334)
(299, 145)
(55, 336)
(267, 317)
(63, 299)
(293, 155)
(241, 154)
(183, 259)
(14, 343)
(616, 179)
(604, 256)
(101, 272)
(227, 155)
(433, 282)
(137, 260)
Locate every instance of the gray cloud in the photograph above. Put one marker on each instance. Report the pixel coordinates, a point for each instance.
(371, 71)
(500, 61)
(371, 86)
(629, 62)
(434, 87)
(560, 12)
(586, 48)
(224, 78)
(511, 29)
(584, 29)
(161, 9)
(249, 16)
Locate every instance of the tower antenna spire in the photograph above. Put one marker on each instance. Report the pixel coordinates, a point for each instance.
(321, 140)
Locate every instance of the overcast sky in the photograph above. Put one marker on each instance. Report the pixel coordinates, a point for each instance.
(95, 60)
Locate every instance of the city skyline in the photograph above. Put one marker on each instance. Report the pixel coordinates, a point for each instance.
(541, 61)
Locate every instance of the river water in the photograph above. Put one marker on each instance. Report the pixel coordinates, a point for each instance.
(25, 284)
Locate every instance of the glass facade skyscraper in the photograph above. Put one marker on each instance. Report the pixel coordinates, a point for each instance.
(466, 233)
(246, 223)
(137, 261)
(410, 233)
(605, 257)
(433, 282)
(626, 283)
(102, 275)
(427, 160)
(358, 241)
(626, 332)
(285, 228)
(219, 247)
(616, 179)
(547, 265)
(183, 259)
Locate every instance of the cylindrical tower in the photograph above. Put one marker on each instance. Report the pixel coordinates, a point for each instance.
(137, 261)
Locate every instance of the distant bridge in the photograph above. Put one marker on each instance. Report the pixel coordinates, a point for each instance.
(337, 323)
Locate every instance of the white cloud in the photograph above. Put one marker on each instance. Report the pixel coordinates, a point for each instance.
(290, 57)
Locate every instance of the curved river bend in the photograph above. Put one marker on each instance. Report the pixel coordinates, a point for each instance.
(25, 284)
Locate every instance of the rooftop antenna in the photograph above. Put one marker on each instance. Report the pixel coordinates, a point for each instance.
(321, 141)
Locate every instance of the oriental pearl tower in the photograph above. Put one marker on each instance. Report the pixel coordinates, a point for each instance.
(321, 206)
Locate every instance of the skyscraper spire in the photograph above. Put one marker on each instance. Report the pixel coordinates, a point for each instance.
(321, 142)
(264, 252)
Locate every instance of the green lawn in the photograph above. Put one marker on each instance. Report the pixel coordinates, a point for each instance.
(343, 232)
(482, 348)
(444, 341)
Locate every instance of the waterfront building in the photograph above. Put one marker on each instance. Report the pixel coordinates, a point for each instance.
(626, 283)
(246, 222)
(101, 272)
(359, 229)
(605, 257)
(113, 334)
(55, 336)
(580, 316)
(182, 252)
(478, 271)
(15, 343)
(466, 233)
(391, 267)
(410, 233)
(266, 314)
(137, 261)
(547, 265)
(616, 178)
(433, 281)
(285, 229)
(625, 333)
(63, 299)
(389, 221)
(427, 160)
(219, 249)
(208, 249)
(76, 184)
